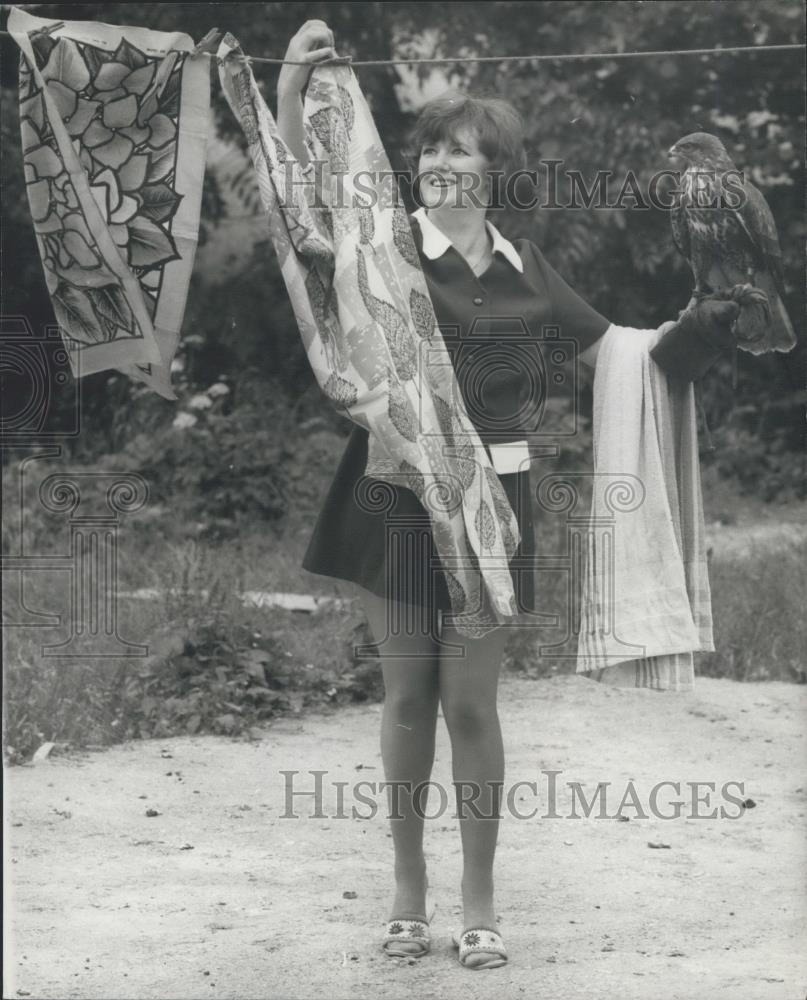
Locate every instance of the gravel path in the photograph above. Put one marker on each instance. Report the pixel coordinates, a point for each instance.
(218, 895)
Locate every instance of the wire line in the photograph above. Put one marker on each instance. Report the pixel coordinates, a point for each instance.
(538, 57)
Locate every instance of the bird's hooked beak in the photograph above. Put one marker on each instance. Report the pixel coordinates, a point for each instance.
(673, 153)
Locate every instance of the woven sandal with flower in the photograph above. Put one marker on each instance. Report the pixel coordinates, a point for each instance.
(408, 938)
(480, 941)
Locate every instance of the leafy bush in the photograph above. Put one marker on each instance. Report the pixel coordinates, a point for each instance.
(765, 468)
(214, 464)
(759, 441)
(225, 679)
(214, 666)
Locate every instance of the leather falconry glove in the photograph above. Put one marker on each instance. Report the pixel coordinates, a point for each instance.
(703, 332)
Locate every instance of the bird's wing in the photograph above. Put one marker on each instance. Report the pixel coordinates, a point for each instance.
(757, 221)
(680, 229)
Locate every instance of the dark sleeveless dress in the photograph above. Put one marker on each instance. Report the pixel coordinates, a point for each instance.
(512, 338)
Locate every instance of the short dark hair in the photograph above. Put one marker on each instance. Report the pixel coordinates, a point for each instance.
(498, 126)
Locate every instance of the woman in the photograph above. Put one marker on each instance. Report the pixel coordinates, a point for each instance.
(486, 291)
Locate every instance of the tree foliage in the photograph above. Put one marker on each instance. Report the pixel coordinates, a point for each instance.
(616, 115)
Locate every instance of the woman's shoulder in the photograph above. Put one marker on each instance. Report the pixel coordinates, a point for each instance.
(587, 322)
(527, 248)
(532, 257)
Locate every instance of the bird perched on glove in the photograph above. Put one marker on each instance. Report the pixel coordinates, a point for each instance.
(723, 226)
(706, 329)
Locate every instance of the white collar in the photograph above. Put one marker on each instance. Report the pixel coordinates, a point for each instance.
(435, 241)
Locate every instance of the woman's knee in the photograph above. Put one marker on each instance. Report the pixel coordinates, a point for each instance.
(409, 704)
(411, 695)
(468, 717)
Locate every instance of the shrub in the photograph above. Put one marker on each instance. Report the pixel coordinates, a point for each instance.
(213, 666)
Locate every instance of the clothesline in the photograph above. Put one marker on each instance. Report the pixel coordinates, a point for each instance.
(543, 57)
(540, 58)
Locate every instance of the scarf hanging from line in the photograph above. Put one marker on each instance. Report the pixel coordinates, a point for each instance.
(114, 130)
(646, 584)
(363, 309)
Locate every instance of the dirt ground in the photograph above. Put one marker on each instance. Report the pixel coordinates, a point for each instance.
(219, 895)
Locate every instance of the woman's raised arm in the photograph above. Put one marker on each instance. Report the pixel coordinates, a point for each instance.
(312, 43)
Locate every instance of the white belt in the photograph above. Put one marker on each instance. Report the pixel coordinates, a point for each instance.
(512, 456)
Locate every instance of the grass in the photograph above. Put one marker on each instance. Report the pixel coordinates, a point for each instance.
(214, 665)
(758, 600)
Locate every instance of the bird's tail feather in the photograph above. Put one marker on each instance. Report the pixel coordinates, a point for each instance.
(765, 326)
(786, 339)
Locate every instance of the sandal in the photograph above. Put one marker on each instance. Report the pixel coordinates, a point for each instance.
(404, 931)
(480, 939)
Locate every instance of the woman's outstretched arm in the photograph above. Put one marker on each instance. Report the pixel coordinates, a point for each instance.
(312, 43)
(589, 356)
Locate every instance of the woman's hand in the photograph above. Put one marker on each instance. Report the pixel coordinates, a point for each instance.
(312, 43)
(702, 333)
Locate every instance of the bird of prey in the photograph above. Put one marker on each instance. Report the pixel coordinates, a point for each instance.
(723, 226)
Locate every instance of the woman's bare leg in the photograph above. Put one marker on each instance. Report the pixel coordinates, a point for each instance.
(409, 663)
(468, 689)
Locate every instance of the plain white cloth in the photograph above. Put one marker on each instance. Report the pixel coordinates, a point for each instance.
(646, 604)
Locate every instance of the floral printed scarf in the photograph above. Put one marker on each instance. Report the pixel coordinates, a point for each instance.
(114, 125)
(363, 309)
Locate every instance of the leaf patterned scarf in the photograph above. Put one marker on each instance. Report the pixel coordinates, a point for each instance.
(114, 124)
(363, 309)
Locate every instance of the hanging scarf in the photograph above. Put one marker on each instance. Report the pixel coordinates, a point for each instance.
(362, 305)
(114, 125)
(646, 601)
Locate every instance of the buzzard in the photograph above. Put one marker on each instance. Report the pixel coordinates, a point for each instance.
(722, 224)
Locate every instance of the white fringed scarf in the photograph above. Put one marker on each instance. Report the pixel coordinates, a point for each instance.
(646, 601)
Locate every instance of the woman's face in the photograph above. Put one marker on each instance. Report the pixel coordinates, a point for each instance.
(452, 172)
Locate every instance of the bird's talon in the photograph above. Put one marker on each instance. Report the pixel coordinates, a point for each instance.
(747, 294)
